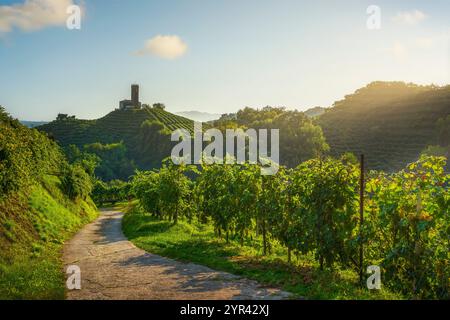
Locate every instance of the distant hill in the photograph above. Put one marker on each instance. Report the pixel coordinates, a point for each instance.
(315, 112)
(33, 124)
(390, 122)
(145, 133)
(199, 116)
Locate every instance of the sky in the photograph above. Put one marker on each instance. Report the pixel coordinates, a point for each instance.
(212, 56)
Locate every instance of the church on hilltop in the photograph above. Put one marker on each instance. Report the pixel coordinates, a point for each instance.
(134, 102)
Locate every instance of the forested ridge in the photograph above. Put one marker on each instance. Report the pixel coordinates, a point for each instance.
(390, 122)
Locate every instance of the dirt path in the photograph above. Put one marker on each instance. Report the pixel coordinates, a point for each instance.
(113, 268)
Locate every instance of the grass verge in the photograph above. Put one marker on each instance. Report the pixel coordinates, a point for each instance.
(34, 228)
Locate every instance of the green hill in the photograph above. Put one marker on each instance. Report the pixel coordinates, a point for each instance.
(390, 122)
(40, 207)
(315, 112)
(116, 126)
(143, 133)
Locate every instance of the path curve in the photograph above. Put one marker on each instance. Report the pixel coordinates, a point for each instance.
(113, 268)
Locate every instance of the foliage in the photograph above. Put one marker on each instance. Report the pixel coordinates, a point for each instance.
(389, 122)
(159, 106)
(35, 215)
(110, 192)
(216, 196)
(300, 139)
(26, 155)
(436, 151)
(408, 227)
(113, 160)
(30, 262)
(166, 192)
(145, 187)
(323, 200)
(63, 117)
(124, 139)
(197, 243)
(76, 183)
(88, 161)
(443, 128)
(312, 211)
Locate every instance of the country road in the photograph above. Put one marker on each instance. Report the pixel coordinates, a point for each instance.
(113, 268)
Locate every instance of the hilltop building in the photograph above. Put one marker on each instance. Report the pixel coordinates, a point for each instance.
(134, 102)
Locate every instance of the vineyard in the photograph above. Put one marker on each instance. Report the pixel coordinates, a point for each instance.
(118, 125)
(313, 211)
(392, 121)
(141, 138)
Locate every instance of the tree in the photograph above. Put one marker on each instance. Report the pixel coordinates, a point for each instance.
(114, 162)
(159, 106)
(112, 191)
(300, 138)
(145, 187)
(75, 182)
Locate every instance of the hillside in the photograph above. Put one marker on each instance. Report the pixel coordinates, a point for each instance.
(115, 126)
(390, 122)
(315, 112)
(41, 205)
(199, 116)
(33, 124)
(144, 133)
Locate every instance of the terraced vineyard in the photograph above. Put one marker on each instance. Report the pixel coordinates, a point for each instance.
(170, 120)
(391, 123)
(123, 126)
(116, 126)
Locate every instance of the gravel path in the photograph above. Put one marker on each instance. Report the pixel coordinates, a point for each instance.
(113, 268)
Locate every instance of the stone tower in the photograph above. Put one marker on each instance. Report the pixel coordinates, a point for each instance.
(135, 95)
(134, 102)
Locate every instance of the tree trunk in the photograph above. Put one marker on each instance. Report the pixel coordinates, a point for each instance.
(175, 218)
(264, 237)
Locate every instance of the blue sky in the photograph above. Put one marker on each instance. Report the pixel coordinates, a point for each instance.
(297, 54)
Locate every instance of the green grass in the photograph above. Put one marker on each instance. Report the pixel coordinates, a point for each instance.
(196, 243)
(30, 259)
(34, 274)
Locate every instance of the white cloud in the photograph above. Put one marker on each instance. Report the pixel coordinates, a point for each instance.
(166, 47)
(34, 15)
(410, 18)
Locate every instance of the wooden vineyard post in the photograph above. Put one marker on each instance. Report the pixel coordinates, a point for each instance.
(361, 219)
